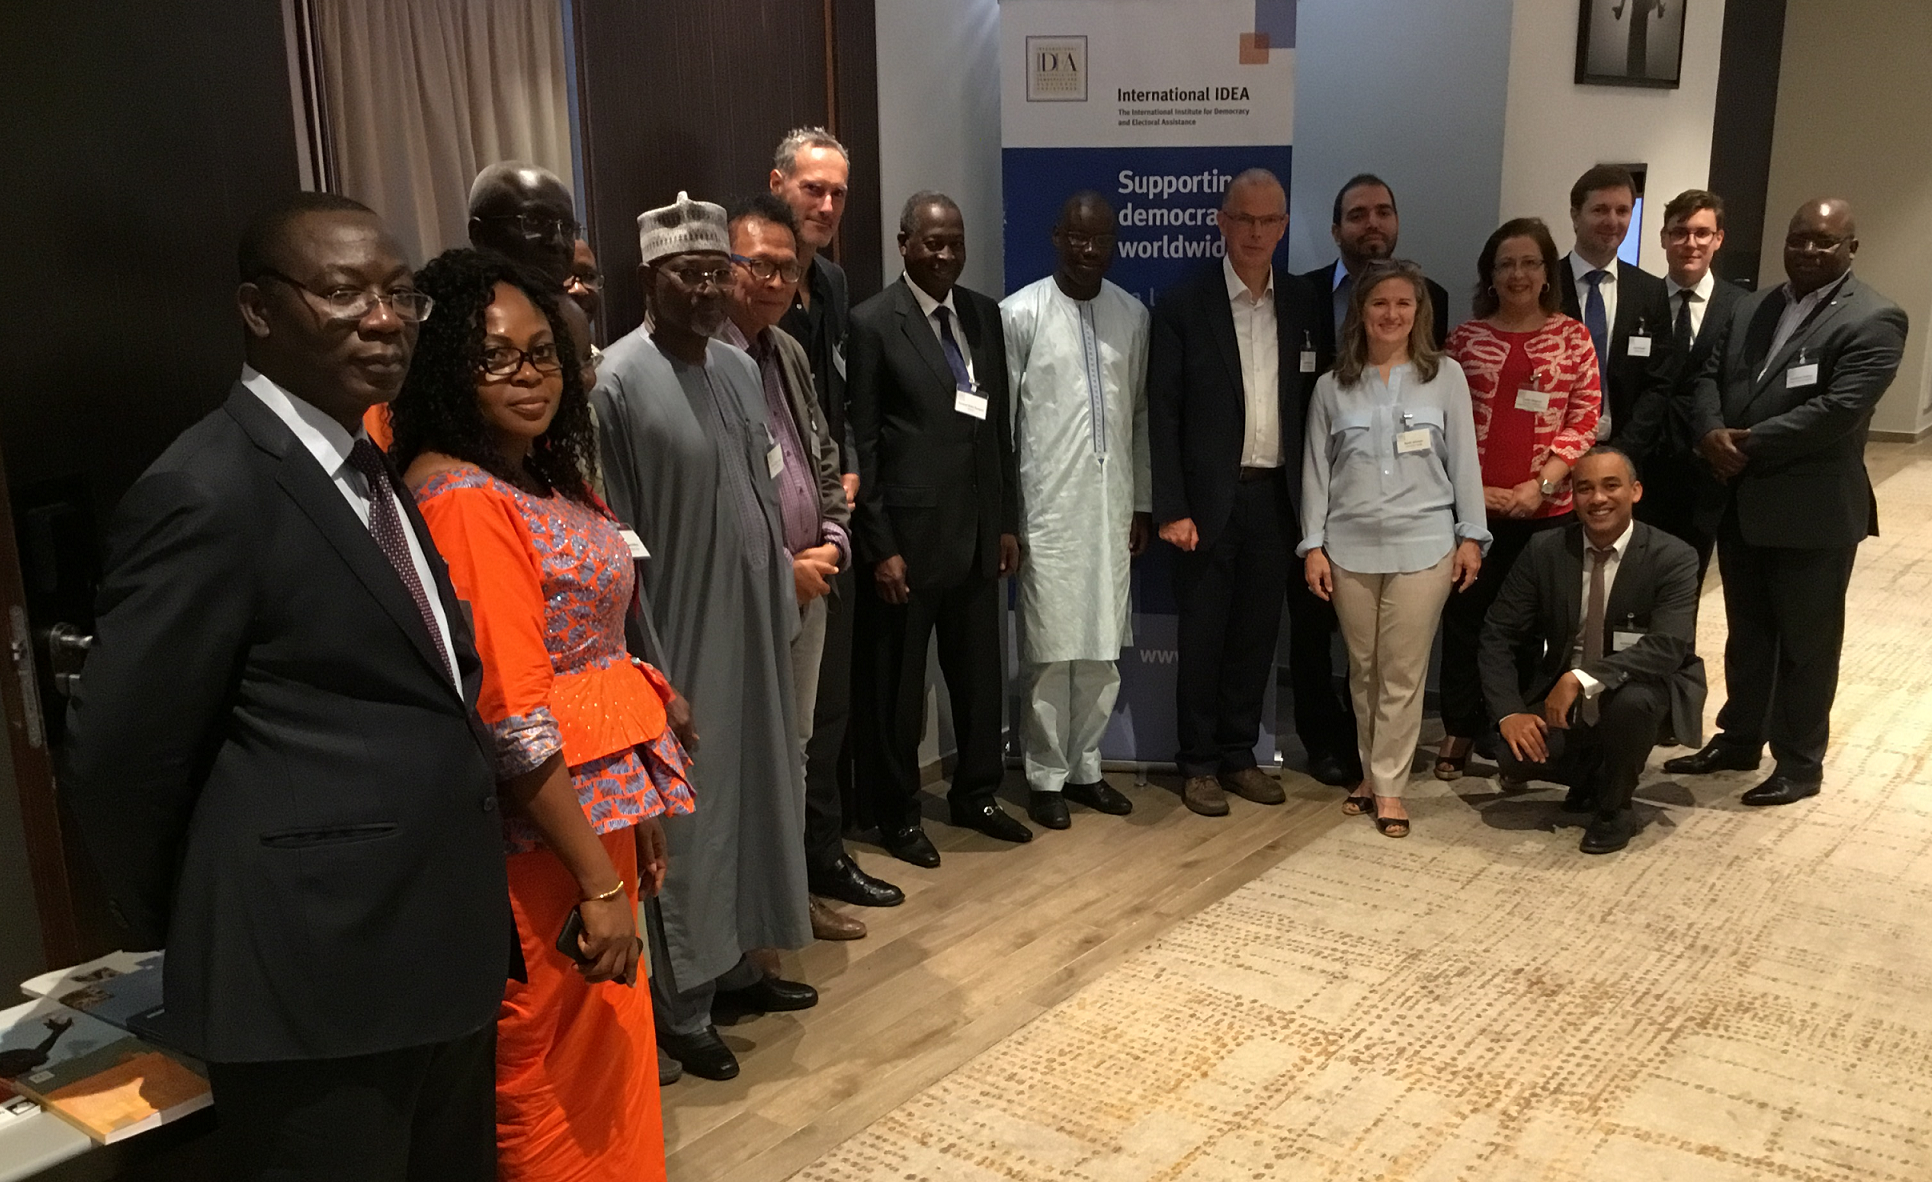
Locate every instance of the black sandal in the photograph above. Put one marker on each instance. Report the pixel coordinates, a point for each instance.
(1355, 806)
(1451, 767)
(1391, 826)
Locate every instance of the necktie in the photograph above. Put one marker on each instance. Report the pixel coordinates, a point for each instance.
(1682, 328)
(955, 360)
(1593, 622)
(1597, 320)
(386, 526)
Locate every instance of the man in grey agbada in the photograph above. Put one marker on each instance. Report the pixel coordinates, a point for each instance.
(685, 448)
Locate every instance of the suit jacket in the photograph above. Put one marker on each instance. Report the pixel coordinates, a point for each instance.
(813, 432)
(1321, 290)
(832, 306)
(1541, 604)
(1643, 309)
(273, 769)
(936, 486)
(1196, 409)
(1661, 422)
(1805, 484)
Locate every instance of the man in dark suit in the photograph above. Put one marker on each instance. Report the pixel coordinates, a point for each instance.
(276, 762)
(1622, 306)
(1366, 227)
(1611, 604)
(1658, 436)
(1782, 410)
(936, 526)
(1227, 394)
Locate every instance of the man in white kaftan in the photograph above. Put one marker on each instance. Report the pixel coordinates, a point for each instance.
(1076, 348)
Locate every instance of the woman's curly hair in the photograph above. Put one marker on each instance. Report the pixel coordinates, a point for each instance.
(437, 409)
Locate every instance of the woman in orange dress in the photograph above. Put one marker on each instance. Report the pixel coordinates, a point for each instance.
(493, 430)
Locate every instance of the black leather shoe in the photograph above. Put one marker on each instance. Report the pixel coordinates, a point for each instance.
(1100, 797)
(703, 1054)
(1047, 809)
(1331, 770)
(1781, 790)
(1715, 757)
(771, 995)
(1580, 800)
(989, 818)
(909, 845)
(669, 1070)
(1607, 834)
(844, 881)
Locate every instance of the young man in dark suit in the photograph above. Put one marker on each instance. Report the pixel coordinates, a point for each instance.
(1782, 411)
(936, 528)
(1611, 603)
(276, 761)
(1227, 393)
(1622, 306)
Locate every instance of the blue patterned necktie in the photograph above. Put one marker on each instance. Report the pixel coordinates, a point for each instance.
(1595, 319)
(955, 360)
(386, 525)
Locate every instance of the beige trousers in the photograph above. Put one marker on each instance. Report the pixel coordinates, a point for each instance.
(1389, 623)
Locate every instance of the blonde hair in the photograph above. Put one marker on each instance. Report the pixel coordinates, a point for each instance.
(1351, 352)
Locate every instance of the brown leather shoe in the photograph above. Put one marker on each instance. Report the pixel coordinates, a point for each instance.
(1203, 795)
(828, 924)
(1251, 783)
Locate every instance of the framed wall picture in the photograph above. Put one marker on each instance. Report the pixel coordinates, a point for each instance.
(1630, 42)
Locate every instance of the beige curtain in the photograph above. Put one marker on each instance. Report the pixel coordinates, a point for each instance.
(423, 93)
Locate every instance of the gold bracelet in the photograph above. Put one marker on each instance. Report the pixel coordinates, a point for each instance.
(609, 894)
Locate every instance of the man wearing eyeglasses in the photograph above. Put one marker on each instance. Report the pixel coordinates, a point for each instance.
(811, 503)
(1782, 409)
(275, 756)
(525, 212)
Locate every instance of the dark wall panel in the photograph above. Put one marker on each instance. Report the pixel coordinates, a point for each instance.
(1741, 127)
(856, 58)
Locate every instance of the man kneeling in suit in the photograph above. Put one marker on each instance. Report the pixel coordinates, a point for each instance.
(1612, 602)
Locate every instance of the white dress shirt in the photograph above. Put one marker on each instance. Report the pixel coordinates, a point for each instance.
(1255, 335)
(1591, 686)
(1798, 309)
(1579, 267)
(926, 306)
(1700, 300)
(326, 440)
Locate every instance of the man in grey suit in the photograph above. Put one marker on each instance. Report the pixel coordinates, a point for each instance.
(1782, 410)
(1612, 604)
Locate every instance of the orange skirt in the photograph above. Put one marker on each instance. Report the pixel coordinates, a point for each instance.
(576, 1064)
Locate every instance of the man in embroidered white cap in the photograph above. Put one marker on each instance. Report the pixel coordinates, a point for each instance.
(686, 458)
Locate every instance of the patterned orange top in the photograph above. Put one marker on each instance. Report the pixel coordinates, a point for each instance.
(1563, 365)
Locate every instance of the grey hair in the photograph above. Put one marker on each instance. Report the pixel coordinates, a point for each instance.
(909, 216)
(1252, 176)
(785, 159)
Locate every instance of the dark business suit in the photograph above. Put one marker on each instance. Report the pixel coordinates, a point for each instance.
(1643, 310)
(937, 487)
(1659, 678)
(1659, 436)
(1230, 588)
(1789, 525)
(281, 784)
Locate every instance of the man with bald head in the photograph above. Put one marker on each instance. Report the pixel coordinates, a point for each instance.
(525, 212)
(1781, 413)
(1225, 426)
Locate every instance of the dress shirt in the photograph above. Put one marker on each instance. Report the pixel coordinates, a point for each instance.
(796, 482)
(1338, 289)
(1373, 508)
(1591, 686)
(330, 444)
(1579, 267)
(1700, 300)
(1797, 310)
(926, 306)
(1256, 336)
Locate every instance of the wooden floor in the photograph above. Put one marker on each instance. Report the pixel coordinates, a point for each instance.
(981, 946)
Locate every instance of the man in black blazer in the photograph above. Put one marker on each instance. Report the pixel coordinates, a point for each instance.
(1658, 436)
(1227, 394)
(1611, 604)
(1624, 308)
(1782, 410)
(936, 526)
(1365, 228)
(275, 759)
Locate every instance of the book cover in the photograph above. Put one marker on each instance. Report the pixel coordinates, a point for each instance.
(114, 964)
(108, 1083)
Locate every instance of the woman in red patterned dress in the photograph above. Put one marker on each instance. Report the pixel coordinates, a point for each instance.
(1533, 386)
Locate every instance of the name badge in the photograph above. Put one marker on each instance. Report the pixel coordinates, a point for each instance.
(838, 359)
(1534, 401)
(633, 543)
(1410, 443)
(1801, 375)
(774, 461)
(970, 404)
(1640, 346)
(1308, 361)
(1623, 640)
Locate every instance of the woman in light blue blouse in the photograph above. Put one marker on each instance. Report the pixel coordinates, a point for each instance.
(1392, 514)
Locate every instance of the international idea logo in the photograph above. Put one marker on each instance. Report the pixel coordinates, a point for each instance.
(1056, 69)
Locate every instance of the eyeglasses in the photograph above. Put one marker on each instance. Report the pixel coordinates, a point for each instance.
(1814, 243)
(1102, 242)
(1249, 221)
(591, 282)
(504, 361)
(532, 225)
(694, 275)
(1507, 266)
(763, 269)
(1678, 235)
(351, 304)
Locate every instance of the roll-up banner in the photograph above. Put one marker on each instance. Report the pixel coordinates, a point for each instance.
(1158, 104)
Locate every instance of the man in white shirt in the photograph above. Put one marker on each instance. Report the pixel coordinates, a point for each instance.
(1622, 305)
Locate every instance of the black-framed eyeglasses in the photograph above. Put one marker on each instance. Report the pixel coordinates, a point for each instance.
(591, 282)
(353, 303)
(504, 361)
(1701, 235)
(763, 269)
(532, 225)
(696, 275)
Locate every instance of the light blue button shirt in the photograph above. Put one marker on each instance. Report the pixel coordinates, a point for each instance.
(1375, 507)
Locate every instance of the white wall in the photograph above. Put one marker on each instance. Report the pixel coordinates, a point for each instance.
(939, 122)
(1555, 129)
(1854, 117)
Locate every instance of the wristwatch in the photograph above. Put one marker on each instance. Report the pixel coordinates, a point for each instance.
(1547, 488)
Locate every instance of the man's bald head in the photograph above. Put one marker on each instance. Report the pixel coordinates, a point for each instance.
(1820, 243)
(525, 212)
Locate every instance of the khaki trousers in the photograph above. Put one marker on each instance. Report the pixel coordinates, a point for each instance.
(1389, 623)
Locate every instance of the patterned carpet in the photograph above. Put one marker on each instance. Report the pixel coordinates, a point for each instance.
(1742, 994)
